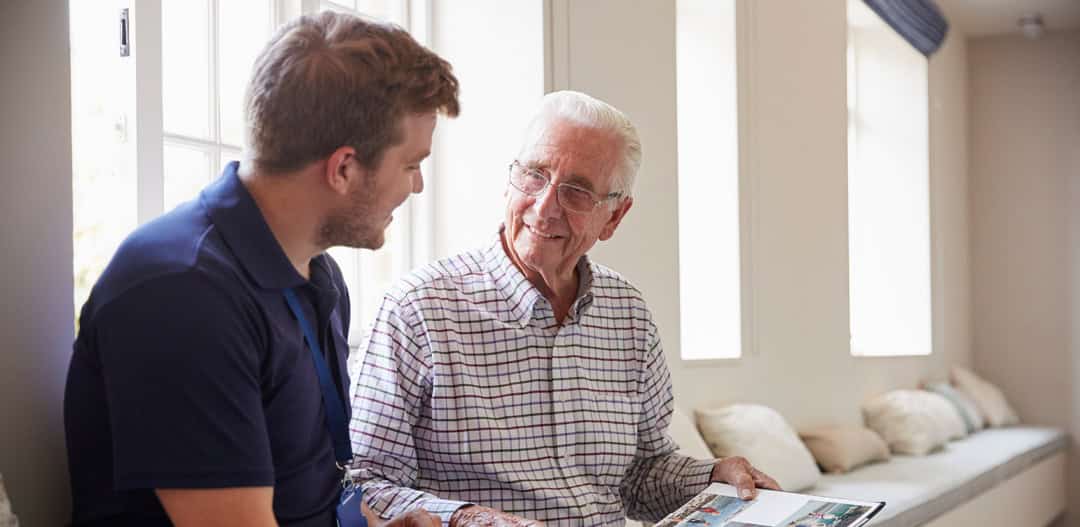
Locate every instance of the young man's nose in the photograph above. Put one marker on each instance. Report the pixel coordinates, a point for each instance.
(418, 183)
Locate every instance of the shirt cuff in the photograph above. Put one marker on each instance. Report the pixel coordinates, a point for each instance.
(444, 509)
(699, 473)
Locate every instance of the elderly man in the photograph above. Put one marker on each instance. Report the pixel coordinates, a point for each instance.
(207, 384)
(523, 381)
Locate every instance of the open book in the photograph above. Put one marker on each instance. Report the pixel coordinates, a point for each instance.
(719, 506)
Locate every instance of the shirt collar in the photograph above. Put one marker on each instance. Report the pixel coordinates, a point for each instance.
(520, 294)
(241, 223)
(584, 296)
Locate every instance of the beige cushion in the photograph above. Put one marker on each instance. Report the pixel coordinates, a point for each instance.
(839, 449)
(991, 402)
(912, 421)
(761, 435)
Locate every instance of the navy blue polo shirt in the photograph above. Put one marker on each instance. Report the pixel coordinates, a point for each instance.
(189, 370)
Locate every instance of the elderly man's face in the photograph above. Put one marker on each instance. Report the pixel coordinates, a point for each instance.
(545, 239)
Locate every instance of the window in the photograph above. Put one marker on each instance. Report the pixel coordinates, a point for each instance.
(707, 112)
(151, 130)
(888, 190)
(104, 197)
(207, 51)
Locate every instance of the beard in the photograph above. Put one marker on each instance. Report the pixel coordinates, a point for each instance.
(356, 225)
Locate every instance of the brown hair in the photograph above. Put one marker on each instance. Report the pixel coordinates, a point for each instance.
(333, 80)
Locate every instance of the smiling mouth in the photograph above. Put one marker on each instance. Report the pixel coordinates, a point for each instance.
(539, 234)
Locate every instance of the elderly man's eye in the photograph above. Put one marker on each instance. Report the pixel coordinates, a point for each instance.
(577, 199)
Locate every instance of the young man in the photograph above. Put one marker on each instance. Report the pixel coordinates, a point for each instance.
(193, 395)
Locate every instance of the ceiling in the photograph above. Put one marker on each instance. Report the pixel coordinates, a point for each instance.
(995, 17)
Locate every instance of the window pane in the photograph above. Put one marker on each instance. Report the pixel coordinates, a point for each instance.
(390, 10)
(888, 190)
(344, 6)
(187, 171)
(379, 272)
(103, 181)
(348, 259)
(708, 152)
(244, 28)
(185, 55)
(227, 155)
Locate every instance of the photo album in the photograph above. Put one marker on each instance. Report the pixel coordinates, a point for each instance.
(719, 506)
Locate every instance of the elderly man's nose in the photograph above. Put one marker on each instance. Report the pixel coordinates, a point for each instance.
(547, 203)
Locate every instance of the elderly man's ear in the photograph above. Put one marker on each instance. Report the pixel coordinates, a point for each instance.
(616, 217)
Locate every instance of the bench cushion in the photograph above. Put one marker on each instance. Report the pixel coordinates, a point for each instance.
(917, 489)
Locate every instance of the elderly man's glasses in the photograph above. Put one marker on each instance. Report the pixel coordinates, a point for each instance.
(534, 182)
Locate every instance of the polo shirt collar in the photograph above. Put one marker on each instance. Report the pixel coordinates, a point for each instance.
(236, 215)
(519, 293)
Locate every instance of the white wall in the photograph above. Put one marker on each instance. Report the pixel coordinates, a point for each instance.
(1025, 175)
(36, 313)
(795, 149)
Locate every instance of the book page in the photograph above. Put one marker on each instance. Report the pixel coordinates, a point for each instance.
(719, 506)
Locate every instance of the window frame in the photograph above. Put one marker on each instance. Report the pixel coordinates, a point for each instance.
(415, 219)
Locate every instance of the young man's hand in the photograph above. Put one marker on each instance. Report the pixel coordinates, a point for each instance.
(420, 518)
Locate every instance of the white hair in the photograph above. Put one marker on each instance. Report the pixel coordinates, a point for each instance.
(578, 108)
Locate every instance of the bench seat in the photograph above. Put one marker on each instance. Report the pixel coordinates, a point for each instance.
(918, 489)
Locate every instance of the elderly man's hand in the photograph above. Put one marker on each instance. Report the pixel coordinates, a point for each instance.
(737, 471)
(476, 516)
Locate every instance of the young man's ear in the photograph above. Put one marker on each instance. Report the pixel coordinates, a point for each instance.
(341, 166)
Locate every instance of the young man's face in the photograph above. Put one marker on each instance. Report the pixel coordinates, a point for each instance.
(376, 193)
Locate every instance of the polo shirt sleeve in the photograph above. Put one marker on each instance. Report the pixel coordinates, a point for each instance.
(181, 361)
(659, 480)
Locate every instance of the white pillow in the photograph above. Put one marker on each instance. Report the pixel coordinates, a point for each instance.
(945, 416)
(973, 419)
(910, 421)
(761, 435)
(991, 402)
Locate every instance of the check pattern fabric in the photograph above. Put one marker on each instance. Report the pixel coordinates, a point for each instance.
(471, 392)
